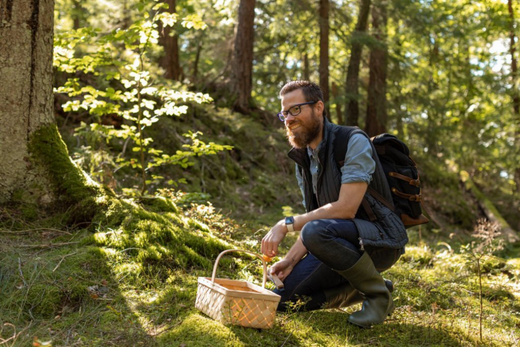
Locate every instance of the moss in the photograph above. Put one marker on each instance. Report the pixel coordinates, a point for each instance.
(159, 204)
(43, 299)
(47, 147)
(75, 191)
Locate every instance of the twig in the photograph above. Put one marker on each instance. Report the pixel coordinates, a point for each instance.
(2, 341)
(62, 259)
(21, 272)
(49, 245)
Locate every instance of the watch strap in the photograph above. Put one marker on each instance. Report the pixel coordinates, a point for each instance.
(289, 223)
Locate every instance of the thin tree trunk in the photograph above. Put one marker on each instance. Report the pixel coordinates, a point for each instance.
(352, 83)
(514, 77)
(243, 55)
(337, 100)
(77, 14)
(324, 51)
(169, 41)
(376, 104)
(306, 73)
(26, 34)
(197, 58)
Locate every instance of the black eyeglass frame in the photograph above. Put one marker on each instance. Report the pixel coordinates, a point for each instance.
(283, 115)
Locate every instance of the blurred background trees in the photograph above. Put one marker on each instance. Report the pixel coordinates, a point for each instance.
(441, 75)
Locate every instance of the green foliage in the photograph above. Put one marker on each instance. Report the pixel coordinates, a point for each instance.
(131, 94)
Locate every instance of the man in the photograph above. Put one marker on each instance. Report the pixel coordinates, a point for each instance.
(340, 252)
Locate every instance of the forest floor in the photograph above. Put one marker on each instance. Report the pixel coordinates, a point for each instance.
(65, 287)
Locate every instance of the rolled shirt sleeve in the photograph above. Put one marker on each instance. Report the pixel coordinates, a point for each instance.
(359, 165)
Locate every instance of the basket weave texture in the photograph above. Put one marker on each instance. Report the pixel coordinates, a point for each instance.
(237, 302)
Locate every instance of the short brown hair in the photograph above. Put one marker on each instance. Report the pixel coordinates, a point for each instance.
(311, 91)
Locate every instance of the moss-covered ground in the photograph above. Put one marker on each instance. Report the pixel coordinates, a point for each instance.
(135, 282)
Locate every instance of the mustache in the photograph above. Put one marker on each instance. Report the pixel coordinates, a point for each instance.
(292, 124)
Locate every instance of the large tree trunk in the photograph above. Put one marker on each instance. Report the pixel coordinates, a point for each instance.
(169, 40)
(36, 167)
(324, 52)
(26, 34)
(376, 103)
(352, 83)
(243, 55)
(514, 77)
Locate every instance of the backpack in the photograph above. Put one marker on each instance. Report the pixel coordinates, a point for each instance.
(400, 172)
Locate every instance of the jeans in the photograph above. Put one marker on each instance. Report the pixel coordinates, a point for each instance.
(332, 244)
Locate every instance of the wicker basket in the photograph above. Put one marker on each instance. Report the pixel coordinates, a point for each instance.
(237, 302)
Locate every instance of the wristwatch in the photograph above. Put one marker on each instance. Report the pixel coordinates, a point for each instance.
(289, 223)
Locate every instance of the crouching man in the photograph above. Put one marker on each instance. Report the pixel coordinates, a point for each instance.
(341, 250)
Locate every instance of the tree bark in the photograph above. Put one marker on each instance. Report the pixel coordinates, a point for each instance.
(36, 168)
(335, 95)
(26, 41)
(306, 69)
(376, 104)
(243, 55)
(514, 77)
(168, 39)
(324, 51)
(352, 83)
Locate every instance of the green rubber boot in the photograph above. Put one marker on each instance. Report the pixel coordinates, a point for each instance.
(377, 304)
(346, 295)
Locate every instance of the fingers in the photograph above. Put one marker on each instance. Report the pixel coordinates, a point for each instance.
(269, 247)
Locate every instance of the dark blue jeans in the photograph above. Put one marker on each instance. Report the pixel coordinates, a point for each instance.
(332, 244)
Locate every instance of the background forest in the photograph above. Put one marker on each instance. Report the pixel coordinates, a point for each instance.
(170, 108)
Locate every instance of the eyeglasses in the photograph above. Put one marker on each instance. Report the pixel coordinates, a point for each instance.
(294, 110)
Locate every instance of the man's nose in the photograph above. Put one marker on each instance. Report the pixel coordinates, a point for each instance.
(289, 118)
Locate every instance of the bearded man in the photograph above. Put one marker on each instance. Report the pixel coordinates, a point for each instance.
(337, 259)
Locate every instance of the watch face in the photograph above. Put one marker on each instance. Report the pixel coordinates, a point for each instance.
(289, 220)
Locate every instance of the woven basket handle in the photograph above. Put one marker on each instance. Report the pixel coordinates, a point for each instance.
(239, 250)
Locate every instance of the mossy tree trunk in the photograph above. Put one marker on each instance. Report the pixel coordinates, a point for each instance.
(26, 33)
(36, 167)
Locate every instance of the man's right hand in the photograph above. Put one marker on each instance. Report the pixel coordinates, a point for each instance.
(273, 238)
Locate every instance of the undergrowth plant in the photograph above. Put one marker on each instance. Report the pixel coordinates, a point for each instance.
(127, 87)
(485, 244)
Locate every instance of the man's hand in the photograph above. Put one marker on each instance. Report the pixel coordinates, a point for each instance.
(272, 239)
(282, 269)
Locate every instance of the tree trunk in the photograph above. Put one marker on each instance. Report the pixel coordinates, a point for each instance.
(352, 83)
(36, 167)
(168, 39)
(306, 70)
(77, 14)
(514, 77)
(26, 34)
(197, 58)
(337, 100)
(243, 55)
(324, 52)
(376, 104)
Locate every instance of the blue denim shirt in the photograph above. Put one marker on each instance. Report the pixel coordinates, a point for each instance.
(359, 165)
